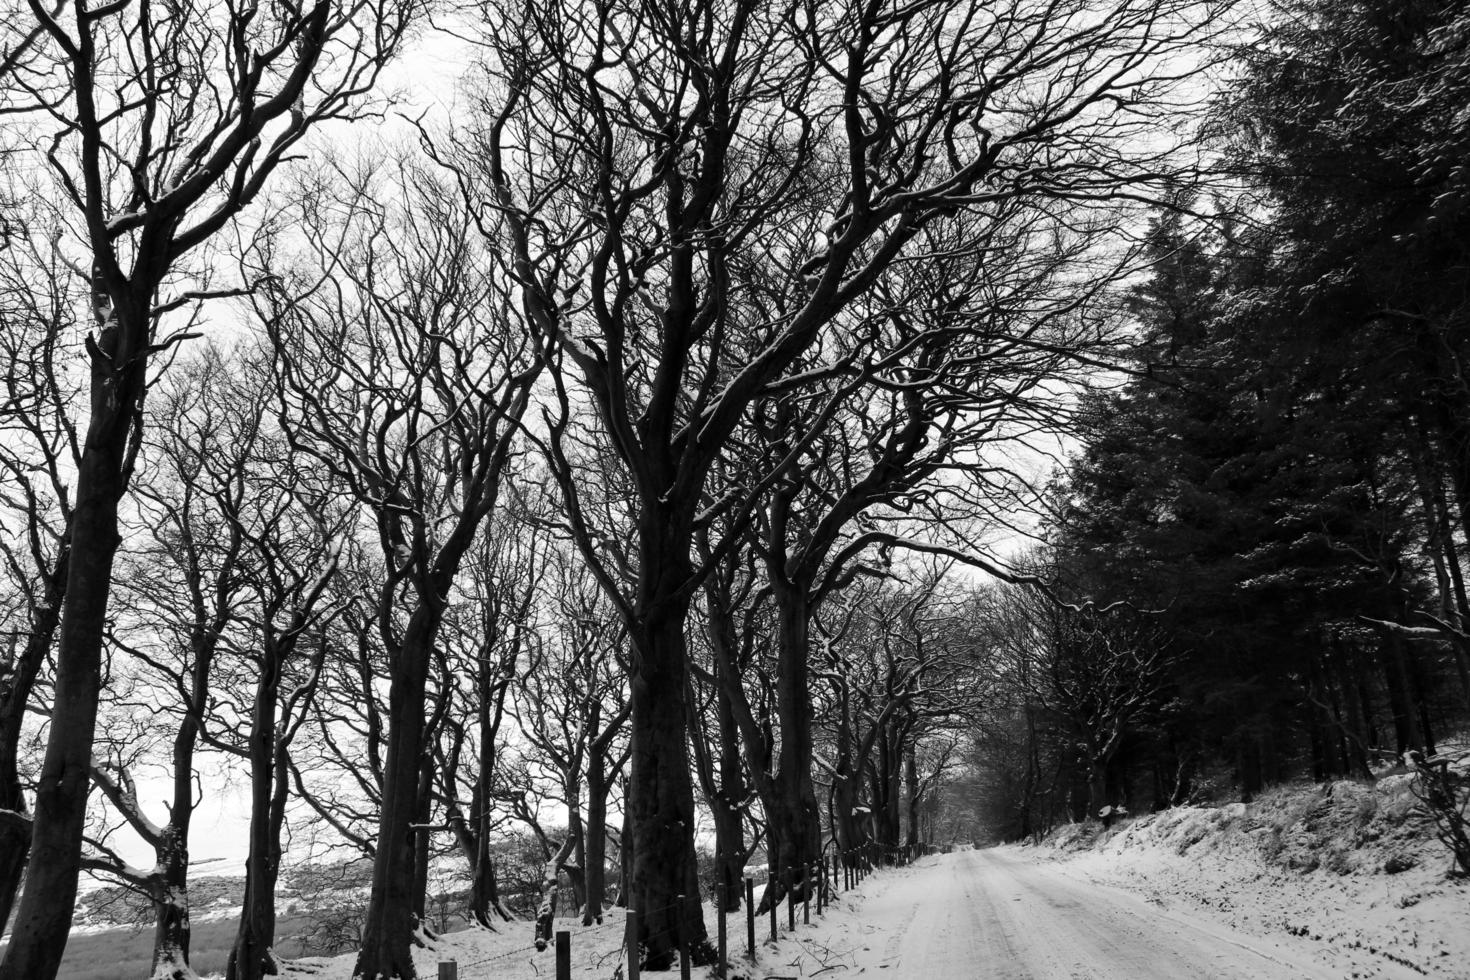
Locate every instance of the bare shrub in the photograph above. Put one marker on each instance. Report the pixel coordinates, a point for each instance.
(1444, 790)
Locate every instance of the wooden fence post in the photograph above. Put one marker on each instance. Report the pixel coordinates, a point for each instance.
(750, 917)
(806, 896)
(563, 955)
(722, 892)
(683, 938)
(790, 899)
(448, 970)
(632, 942)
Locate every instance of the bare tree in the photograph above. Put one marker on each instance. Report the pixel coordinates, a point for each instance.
(229, 568)
(175, 119)
(39, 448)
(1102, 674)
(400, 374)
(971, 360)
(485, 636)
(666, 168)
(571, 710)
(897, 658)
(181, 587)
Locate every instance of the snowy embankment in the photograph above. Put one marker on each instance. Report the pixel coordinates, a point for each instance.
(1353, 868)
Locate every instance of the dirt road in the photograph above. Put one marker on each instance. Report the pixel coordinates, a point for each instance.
(990, 914)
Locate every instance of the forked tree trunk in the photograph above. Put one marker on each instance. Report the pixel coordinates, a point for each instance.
(269, 750)
(546, 903)
(485, 908)
(474, 838)
(389, 925)
(575, 863)
(252, 956)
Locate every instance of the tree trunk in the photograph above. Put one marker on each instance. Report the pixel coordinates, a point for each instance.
(253, 956)
(389, 925)
(793, 820)
(911, 776)
(171, 907)
(625, 862)
(474, 839)
(1396, 675)
(17, 680)
(421, 842)
(660, 800)
(731, 851)
(576, 862)
(1440, 545)
(43, 920)
(1358, 739)
(546, 905)
(847, 822)
(595, 845)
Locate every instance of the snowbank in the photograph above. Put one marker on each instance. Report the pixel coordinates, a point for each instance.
(1352, 866)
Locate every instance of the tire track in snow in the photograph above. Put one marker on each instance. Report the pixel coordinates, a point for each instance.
(980, 914)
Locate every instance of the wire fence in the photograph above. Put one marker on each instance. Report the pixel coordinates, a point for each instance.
(836, 871)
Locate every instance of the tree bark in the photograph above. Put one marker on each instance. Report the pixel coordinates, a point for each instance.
(576, 861)
(17, 680)
(421, 841)
(911, 776)
(793, 820)
(546, 904)
(599, 786)
(726, 807)
(252, 957)
(171, 928)
(660, 801)
(595, 845)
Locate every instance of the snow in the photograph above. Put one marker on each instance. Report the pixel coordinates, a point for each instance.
(1307, 882)
(1021, 912)
(1351, 868)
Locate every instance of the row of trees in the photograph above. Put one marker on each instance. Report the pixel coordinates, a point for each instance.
(721, 307)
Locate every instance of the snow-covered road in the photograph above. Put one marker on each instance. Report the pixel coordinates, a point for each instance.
(994, 914)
